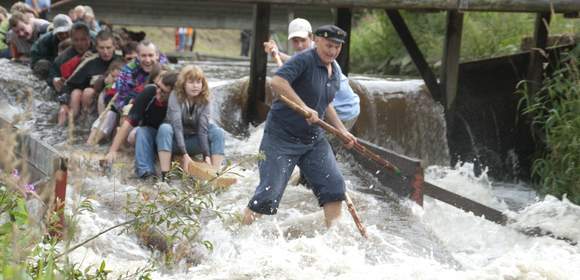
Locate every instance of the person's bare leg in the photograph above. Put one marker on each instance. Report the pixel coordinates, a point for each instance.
(87, 100)
(63, 114)
(75, 102)
(101, 106)
(131, 137)
(216, 161)
(92, 140)
(249, 216)
(165, 160)
(332, 212)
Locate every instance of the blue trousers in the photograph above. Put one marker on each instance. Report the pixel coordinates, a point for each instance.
(146, 147)
(283, 153)
(216, 140)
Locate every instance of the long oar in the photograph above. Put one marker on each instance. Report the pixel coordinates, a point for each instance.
(349, 205)
(331, 129)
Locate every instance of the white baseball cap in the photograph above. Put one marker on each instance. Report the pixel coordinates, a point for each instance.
(61, 23)
(299, 27)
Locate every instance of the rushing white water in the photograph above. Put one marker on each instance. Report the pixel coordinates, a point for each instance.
(405, 241)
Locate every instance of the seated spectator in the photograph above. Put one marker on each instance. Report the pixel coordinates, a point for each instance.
(135, 74)
(80, 85)
(130, 51)
(189, 131)
(46, 47)
(108, 114)
(90, 20)
(23, 8)
(42, 7)
(78, 13)
(62, 46)
(66, 62)
(146, 115)
(5, 26)
(25, 30)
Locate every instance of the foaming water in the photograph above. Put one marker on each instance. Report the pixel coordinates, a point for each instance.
(490, 251)
(409, 242)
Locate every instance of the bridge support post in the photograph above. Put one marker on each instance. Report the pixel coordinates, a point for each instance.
(258, 64)
(415, 53)
(535, 70)
(451, 51)
(344, 21)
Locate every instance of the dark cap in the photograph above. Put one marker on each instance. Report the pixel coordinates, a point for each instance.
(331, 32)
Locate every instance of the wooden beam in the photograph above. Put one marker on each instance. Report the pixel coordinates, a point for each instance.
(259, 60)
(415, 53)
(451, 54)
(558, 6)
(409, 185)
(344, 21)
(465, 204)
(535, 69)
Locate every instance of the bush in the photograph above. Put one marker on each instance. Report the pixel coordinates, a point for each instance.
(554, 111)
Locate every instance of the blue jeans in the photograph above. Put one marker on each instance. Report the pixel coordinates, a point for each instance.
(5, 53)
(167, 141)
(283, 152)
(147, 141)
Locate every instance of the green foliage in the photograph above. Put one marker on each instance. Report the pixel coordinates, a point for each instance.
(555, 113)
(376, 47)
(172, 213)
(29, 254)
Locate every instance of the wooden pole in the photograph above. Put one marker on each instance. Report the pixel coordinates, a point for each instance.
(91, 141)
(537, 52)
(258, 64)
(357, 221)
(331, 129)
(415, 53)
(451, 54)
(344, 21)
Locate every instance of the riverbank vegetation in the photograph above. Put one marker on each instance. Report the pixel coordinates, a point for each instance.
(555, 115)
(377, 49)
(35, 244)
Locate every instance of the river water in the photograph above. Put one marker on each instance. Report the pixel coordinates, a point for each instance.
(405, 241)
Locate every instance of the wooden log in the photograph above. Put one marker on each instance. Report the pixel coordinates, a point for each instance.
(205, 172)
